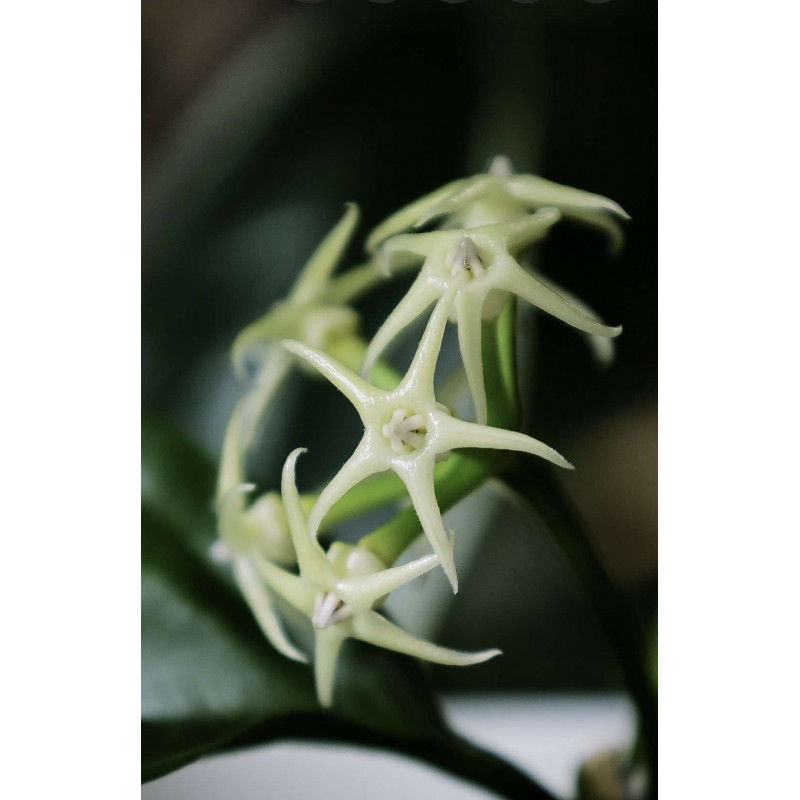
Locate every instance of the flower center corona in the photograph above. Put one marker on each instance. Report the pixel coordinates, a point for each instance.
(405, 431)
(329, 609)
(464, 258)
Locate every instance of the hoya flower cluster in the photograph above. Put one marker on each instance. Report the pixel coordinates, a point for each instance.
(467, 270)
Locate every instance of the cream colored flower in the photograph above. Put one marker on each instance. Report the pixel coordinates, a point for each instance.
(406, 430)
(339, 592)
(315, 311)
(260, 531)
(480, 265)
(243, 539)
(498, 195)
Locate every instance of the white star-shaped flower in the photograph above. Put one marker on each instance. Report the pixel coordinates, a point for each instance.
(339, 591)
(480, 265)
(316, 310)
(499, 194)
(406, 430)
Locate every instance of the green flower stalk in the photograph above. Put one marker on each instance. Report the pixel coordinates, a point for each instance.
(468, 271)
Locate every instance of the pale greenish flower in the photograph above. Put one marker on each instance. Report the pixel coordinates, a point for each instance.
(500, 194)
(602, 347)
(339, 591)
(315, 311)
(479, 264)
(246, 418)
(246, 538)
(406, 430)
(260, 531)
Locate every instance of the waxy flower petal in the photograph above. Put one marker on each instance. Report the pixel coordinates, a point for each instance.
(339, 594)
(479, 266)
(261, 531)
(511, 194)
(315, 311)
(437, 433)
(244, 550)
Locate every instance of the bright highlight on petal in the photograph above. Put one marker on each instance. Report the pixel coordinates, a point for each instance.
(372, 627)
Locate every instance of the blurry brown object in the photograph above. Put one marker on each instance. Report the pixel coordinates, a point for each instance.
(183, 43)
(601, 777)
(616, 489)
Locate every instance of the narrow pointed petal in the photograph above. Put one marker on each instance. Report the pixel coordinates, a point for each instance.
(471, 191)
(523, 231)
(266, 383)
(255, 342)
(421, 373)
(248, 414)
(501, 166)
(419, 482)
(540, 192)
(230, 507)
(322, 263)
(360, 466)
(290, 587)
(310, 556)
(365, 591)
(592, 209)
(346, 287)
(328, 645)
(358, 391)
(405, 218)
(605, 223)
(512, 277)
(373, 628)
(602, 346)
(468, 311)
(456, 433)
(409, 250)
(231, 464)
(257, 597)
(415, 302)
